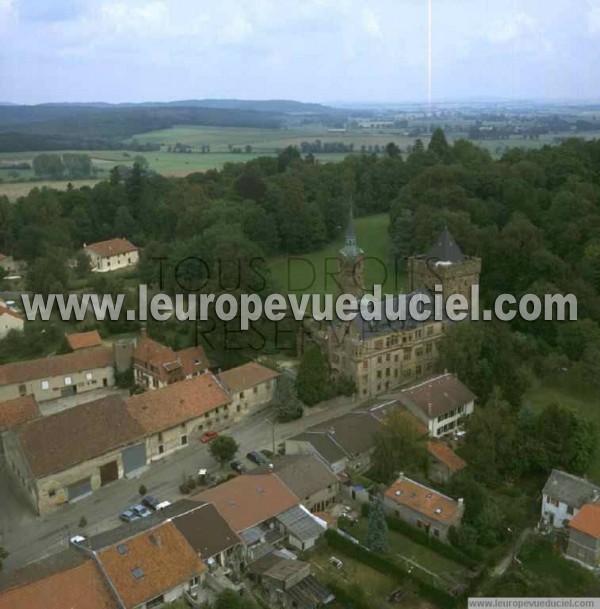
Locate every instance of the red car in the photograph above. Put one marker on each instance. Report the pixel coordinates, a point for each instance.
(208, 436)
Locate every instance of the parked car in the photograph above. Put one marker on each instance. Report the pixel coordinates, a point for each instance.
(142, 511)
(77, 539)
(267, 453)
(238, 467)
(208, 436)
(150, 502)
(129, 516)
(162, 505)
(256, 457)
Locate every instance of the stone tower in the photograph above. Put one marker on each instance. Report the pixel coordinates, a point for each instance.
(444, 264)
(351, 263)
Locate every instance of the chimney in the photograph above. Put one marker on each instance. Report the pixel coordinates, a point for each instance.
(429, 409)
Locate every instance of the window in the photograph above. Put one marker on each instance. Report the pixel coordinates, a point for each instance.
(406, 355)
(241, 394)
(161, 449)
(195, 581)
(570, 510)
(379, 360)
(184, 440)
(68, 381)
(138, 573)
(365, 364)
(45, 385)
(255, 390)
(160, 436)
(22, 390)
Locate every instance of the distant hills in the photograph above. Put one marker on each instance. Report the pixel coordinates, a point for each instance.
(100, 124)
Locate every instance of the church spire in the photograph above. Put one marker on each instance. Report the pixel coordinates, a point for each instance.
(351, 249)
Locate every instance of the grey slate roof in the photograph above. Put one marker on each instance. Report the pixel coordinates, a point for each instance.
(309, 591)
(570, 489)
(206, 530)
(300, 524)
(445, 249)
(351, 249)
(304, 475)
(366, 328)
(345, 436)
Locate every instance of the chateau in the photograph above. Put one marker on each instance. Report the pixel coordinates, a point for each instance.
(381, 355)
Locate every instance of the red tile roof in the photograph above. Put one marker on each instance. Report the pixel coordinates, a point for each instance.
(7, 311)
(246, 501)
(56, 365)
(174, 404)
(112, 247)
(160, 360)
(443, 453)
(18, 411)
(64, 581)
(247, 376)
(587, 520)
(62, 440)
(82, 340)
(422, 499)
(164, 559)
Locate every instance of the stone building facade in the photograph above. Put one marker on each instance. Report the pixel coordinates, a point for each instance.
(381, 355)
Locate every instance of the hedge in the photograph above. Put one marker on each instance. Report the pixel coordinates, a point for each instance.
(343, 596)
(387, 567)
(446, 550)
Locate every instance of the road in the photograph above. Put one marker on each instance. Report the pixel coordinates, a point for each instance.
(28, 537)
(503, 565)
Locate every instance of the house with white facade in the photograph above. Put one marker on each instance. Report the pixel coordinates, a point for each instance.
(563, 497)
(9, 320)
(441, 403)
(111, 255)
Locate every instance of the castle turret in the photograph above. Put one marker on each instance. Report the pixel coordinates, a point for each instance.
(351, 263)
(444, 264)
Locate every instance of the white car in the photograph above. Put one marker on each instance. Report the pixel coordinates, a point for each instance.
(162, 505)
(77, 539)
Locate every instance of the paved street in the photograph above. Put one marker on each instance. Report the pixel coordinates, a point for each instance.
(28, 537)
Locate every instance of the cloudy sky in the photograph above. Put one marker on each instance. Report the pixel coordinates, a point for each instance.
(310, 50)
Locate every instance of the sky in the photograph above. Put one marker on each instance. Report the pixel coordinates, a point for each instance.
(310, 50)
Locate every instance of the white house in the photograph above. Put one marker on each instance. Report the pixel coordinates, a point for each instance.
(111, 255)
(9, 320)
(563, 497)
(441, 403)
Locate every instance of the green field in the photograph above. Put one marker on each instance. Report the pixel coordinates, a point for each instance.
(312, 273)
(566, 393)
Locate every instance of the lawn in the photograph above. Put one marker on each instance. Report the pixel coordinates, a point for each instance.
(312, 273)
(402, 547)
(566, 392)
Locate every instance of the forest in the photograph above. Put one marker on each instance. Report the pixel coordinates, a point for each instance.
(533, 217)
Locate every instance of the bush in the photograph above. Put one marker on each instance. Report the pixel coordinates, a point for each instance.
(82, 522)
(142, 490)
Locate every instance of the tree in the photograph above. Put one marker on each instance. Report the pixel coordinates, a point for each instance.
(400, 445)
(377, 532)
(48, 166)
(312, 383)
(223, 449)
(392, 150)
(439, 146)
(82, 265)
(286, 402)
